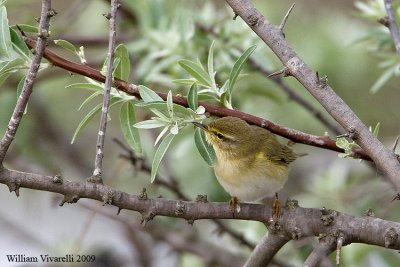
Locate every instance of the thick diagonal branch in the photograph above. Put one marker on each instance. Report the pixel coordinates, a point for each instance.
(384, 158)
(132, 89)
(393, 27)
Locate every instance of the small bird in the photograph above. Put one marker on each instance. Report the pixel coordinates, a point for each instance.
(251, 164)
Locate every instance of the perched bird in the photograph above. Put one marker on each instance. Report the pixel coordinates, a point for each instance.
(251, 164)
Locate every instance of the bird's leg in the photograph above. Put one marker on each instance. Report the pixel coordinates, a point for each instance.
(234, 205)
(276, 208)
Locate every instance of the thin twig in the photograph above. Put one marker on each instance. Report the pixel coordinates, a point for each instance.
(107, 88)
(339, 245)
(283, 23)
(266, 249)
(393, 27)
(22, 101)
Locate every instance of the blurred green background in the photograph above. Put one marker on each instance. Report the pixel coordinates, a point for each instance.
(333, 37)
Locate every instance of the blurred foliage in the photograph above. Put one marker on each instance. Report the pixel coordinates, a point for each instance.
(160, 39)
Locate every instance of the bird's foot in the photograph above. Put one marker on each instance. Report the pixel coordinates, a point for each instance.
(234, 205)
(276, 209)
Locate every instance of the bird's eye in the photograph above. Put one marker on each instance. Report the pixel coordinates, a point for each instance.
(220, 136)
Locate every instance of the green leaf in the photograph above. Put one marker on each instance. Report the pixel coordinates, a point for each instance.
(19, 91)
(192, 97)
(5, 38)
(67, 45)
(89, 86)
(376, 129)
(87, 100)
(205, 149)
(149, 124)
(170, 104)
(385, 76)
(162, 106)
(196, 70)
(184, 81)
(18, 45)
(210, 64)
(162, 148)
(127, 118)
(90, 116)
(237, 67)
(148, 95)
(26, 28)
(12, 65)
(122, 70)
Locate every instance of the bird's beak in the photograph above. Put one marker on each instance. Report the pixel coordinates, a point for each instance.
(201, 126)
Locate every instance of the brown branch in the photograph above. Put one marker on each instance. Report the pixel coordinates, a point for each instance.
(15, 120)
(266, 249)
(132, 89)
(384, 158)
(321, 252)
(295, 223)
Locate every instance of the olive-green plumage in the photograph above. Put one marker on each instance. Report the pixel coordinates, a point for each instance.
(251, 163)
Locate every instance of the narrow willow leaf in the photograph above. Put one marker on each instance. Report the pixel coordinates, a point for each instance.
(170, 104)
(19, 91)
(196, 70)
(205, 149)
(67, 45)
(5, 38)
(90, 116)
(192, 97)
(210, 63)
(162, 107)
(87, 100)
(123, 68)
(127, 118)
(12, 65)
(161, 134)
(18, 45)
(376, 129)
(89, 86)
(237, 67)
(162, 148)
(148, 95)
(26, 28)
(184, 81)
(385, 76)
(149, 124)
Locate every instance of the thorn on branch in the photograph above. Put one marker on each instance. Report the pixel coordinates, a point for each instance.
(369, 213)
(391, 237)
(322, 81)
(283, 23)
(235, 16)
(253, 20)
(69, 199)
(328, 216)
(107, 15)
(51, 13)
(296, 233)
(95, 179)
(384, 21)
(108, 197)
(396, 142)
(396, 197)
(119, 210)
(180, 208)
(291, 204)
(202, 198)
(14, 186)
(57, 179)
(146, 217)
(285, 71)
(143, 194)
